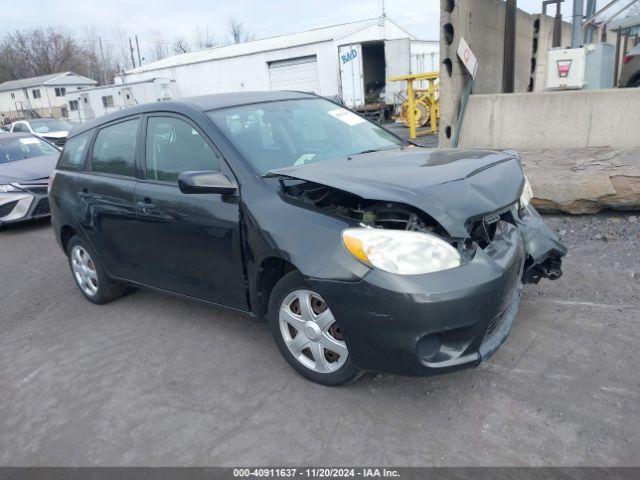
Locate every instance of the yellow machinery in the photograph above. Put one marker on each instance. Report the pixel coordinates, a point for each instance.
(422, 105)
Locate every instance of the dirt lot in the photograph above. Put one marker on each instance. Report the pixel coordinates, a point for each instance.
(153, 380)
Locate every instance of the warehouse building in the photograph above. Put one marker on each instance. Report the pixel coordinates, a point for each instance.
(352, 60)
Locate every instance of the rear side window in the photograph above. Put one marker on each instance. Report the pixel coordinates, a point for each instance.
(114, 150)
(72, 157)
(20, 127)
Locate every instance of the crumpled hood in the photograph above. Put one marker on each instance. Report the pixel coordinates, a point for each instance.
(28, 169)
(451, 185)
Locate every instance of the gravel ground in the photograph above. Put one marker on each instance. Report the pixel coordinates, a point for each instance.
(154, 380)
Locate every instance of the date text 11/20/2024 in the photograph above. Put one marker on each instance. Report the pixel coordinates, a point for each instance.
(315, 473)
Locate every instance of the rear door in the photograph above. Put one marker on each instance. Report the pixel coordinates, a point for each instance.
(351, 75)
(187, 244)
(107, 213)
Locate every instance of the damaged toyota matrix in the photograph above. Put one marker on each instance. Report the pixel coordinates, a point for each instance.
(362, 251)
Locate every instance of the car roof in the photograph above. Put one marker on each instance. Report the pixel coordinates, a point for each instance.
(203, 103)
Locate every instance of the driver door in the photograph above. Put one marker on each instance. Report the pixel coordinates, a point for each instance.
(187, 243)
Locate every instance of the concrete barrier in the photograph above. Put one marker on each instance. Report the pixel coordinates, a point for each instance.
(576, 119)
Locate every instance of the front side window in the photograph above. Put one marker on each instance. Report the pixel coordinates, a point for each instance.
(72, 157)
(12, 149)
(173, 147)
(296, 132)
(114, 150)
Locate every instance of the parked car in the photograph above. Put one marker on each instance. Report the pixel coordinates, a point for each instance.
(51, 129)
(362, 251)
(630, 72)
(26, 162)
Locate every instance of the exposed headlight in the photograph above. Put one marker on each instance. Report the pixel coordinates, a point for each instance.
(527, 193)
(8, 188)
(399, 251)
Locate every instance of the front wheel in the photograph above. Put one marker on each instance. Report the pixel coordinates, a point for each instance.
(307, 334)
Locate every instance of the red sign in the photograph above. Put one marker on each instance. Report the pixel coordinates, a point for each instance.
(564, 66)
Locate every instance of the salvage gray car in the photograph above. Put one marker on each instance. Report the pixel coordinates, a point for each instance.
(362, 251)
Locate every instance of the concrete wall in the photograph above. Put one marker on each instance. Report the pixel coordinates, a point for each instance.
(544, 37)
(553, 120)
(481, 23)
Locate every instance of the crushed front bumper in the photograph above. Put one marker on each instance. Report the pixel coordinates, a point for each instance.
(437, 322)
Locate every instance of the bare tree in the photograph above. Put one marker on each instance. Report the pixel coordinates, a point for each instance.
(238, 32)
(202, 38)
(181, 46)
(159, 46)
(42, 51)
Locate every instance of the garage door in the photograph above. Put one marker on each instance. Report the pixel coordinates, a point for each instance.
(295, 74)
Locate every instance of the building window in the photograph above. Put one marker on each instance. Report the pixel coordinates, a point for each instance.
(36, 93)
(13, 95)
(73, 105)
(107, 101)
(60, 91)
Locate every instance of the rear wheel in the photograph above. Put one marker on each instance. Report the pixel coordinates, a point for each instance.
(307, 334)
(89, 275)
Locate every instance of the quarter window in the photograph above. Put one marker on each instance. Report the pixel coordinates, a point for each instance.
(173, 147)
(114, 150)
(72, 157)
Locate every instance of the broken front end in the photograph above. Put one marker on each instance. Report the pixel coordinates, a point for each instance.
(444, 320)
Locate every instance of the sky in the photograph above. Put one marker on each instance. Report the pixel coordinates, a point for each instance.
(118, 19)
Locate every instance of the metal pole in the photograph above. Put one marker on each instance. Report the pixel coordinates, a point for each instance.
(616, 67)
(138, 49)
(509, 50)
(588, 32)
(411, 98)
(133, 61)
(463, 108)
(576, 23)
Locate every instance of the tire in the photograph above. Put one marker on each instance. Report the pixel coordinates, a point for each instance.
(92, 280)
(314, 358)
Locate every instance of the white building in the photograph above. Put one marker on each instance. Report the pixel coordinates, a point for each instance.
(46, 94)
(347, 60)
(93, 102)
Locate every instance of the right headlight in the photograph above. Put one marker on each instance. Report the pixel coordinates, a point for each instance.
(8, 188)
(400, 251)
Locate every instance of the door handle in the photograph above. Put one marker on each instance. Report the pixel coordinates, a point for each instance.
(84, 194)
(147, 207)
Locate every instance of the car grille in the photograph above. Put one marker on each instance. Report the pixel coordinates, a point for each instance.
(41, 208)
(7, 208)
(35, 188)
(483, 231)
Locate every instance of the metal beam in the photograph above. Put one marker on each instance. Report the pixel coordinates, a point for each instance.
(576, 23)
(509, 52)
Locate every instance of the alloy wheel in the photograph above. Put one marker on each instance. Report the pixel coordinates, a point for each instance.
(311, 333)
(84, 270)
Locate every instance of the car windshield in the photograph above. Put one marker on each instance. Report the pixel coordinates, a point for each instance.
(19, 148)
(46, 125)
(296, 132)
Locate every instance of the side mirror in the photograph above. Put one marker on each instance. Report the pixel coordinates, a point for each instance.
(207, 181)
